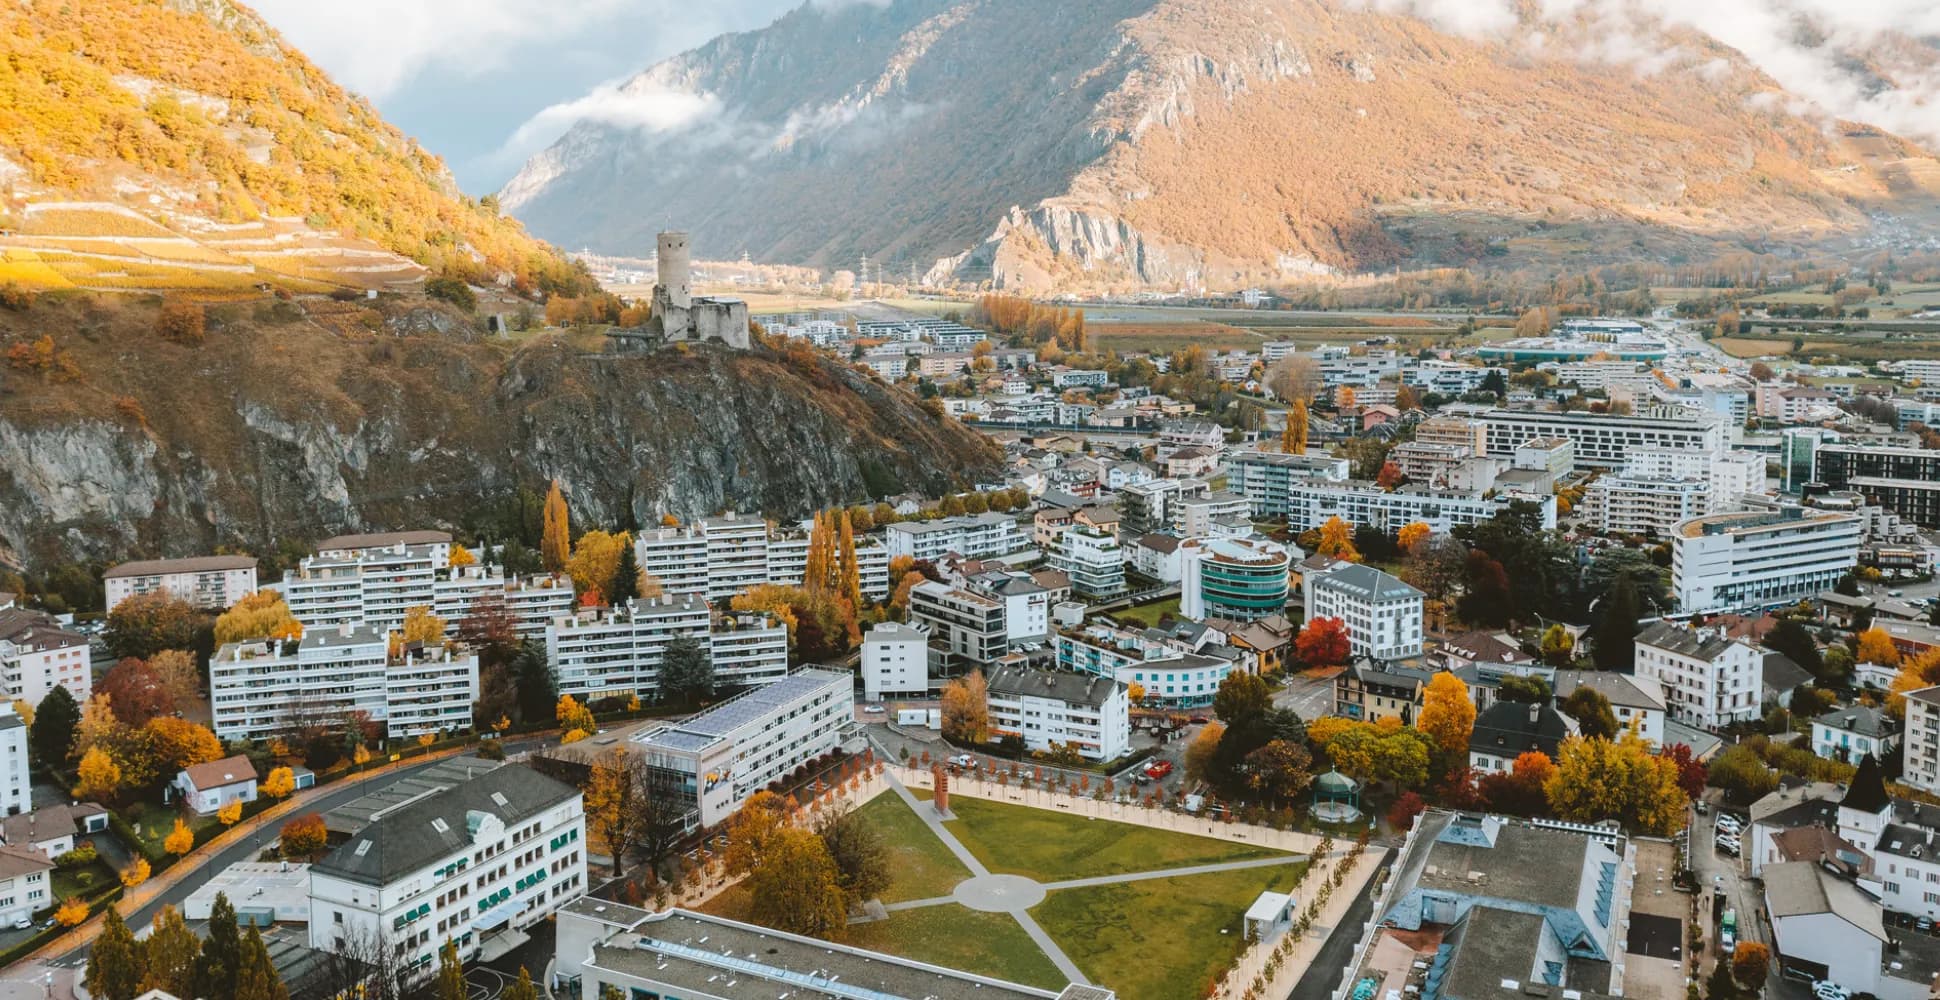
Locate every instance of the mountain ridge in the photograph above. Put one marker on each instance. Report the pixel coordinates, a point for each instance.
(1222, 142)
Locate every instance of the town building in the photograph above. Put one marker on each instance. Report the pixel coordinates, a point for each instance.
(1748, 559)
(1370, 690)
(1200, 515)
(37, 653)
(211, 582)
(265, 688)
(715, 760)
(1634, 701)
(1708, 678)
(208, 787)
(605, 948)
(1921, 762)
(1242, 579)
(895, 661)
(1382, 614)
(54, 830)
(977, 536)
(1092, 558)
(616, 652)
(1157, 556)
(1452, 431)
(435, 545)
(1265, 478)
(1602, 442)
(16, 773)
(493, 854)
(1824, 924)
(1048, 708)
(1847, 733)
(1308, 504)
(1180, 666)
(1508, 729)
(26, 885)
(377, 586)
(1637, 505)
(960, 621)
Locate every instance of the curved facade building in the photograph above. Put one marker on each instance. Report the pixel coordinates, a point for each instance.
(1242, 579)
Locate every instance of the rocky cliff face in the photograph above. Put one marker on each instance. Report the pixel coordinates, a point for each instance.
(1214, 142)
(273, 434)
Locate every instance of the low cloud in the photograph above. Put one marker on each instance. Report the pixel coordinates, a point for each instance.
(640, 106)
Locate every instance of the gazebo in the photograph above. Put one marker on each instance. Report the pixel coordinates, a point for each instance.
(1337, 798)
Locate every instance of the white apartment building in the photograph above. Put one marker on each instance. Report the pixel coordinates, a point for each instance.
(737, 553)
(1199, 516)
(16, 780)
(961, 621)
(976, 536)
(722, 556)
(348, 548)
(1241, 579)
(1603, 441)
(1922, 740)
(1092, 558)
(1453, 431)
(36, 654)
(493, 854)
(377, 586)
(1027, 605)
(891, 367)
(1383, 615)
(261, 689)
(1046, 708)
(205, 581)
(717, 759)
(1725, 562)
(26, 885)
(601, 652)
(895, 661)
(1070, 378)
(1266, 478)
(1708, 679)
(1639, 505)
(1731, 475)
(1307, 505)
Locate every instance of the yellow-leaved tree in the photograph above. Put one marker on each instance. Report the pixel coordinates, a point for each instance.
(555, 535)
(574, 717)
(98, 778)
(966, 708)
(261, 615)
(135, 874)
(1412, 534)
(1337, 540)
(280, 782)
(1447, 714)
(180, 840)
(596, 559)
(1876, 646)
(230, 812)
(1599, 779)
(462, 557)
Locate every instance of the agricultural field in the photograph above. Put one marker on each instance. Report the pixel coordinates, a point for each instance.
(1745, 347)
(1164, 338)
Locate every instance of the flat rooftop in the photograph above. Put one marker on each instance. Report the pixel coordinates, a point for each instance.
(724, 719)
(358, 813)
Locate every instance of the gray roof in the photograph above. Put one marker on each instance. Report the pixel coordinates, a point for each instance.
(384, 539)
(1704, 644)
(1062, 685)
(1527, 864)
(1800, 888)
(37, 629)
(1782, 673)
(1365, 582)
(195, 564)
(1621, 689)
(721, 721)
(1506, 729)
(1860, 720)
(438, 825)
(47, 823)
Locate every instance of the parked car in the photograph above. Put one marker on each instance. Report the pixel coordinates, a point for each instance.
(1728, 823)
(872, 709)
(962, 760)
(1826, 989)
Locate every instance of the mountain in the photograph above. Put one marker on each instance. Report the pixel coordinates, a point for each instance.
(163, 144)
(1129, 142)
(295, 420)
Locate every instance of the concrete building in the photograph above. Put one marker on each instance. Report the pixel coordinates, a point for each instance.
(26, 885)
(1046, 708)
(1708, 678)
(263, 688)
(1633, 700)
(895, 661)
(976, 536)
(1847, 733)
(1093, 560)
(213, 582)
(723, 556)
(377, 586)
(1922, 739)
(1312, 503)
(1243, 579)
(1726, 562)
(1824, 925)
(961, 622)
(1265, 478)
(37, 653)
(1636, 505)
(604, 652)
(1383, 615)
(1199, 516)
(1507, 730)
(1450, 431)
(435, 545)
(1603, 442)
(16, 778)
(490, 855)
(605, 948)
(715, 760)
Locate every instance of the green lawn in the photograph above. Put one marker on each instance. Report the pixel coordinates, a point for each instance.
(88, 878)
(1159, 939)
(987, 944)
(1052, 846)
(1149, 614)
(923, 868)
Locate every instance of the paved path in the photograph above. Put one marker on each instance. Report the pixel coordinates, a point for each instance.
(1080, 883)
(1066, 966)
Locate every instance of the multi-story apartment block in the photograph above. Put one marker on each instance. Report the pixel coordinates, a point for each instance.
(1849, 732)
(1383, 615)
(961, 621)
(1178, 670)
(1725, 562)
(26, 885)
(1242, 579)
(378, 585)
(720, 557)
(1730, 475)
(1092, 558)
(1905, 481)
(895, 661)
(205, 581)
(1602, 441)
(490, 855)
(1709, 679)
(1454, 431)
(602, 652)
(1428, 461)
(264, 688)
(1266, 478)
(1307, 505)
(1046, 708)
(1922, 740)
(1624, 504)
(976, 536)
(36, 654)
(1202, 515)
(16, 781)
(717, 759)
(1153, 505)
(1027, 604)
(346, 548)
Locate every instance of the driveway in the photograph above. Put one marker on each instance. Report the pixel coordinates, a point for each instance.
(1310, 697)
(1721, 874)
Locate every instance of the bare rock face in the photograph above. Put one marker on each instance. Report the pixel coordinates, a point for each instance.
(261, 438)
(1216, 142)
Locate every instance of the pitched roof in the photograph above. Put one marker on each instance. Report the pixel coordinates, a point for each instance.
(1782, 673)
(37, 629)
(1802, 888)
(46, 823)
(1867, 793)
(18, 861)
(1509, 728)
(1062, 685)
(1625, 690)
(440, 824)
(217, 773)
(1862, 720)
(196, 564)
(1365, 582)
(382, 539)
(1703, 644)
(1484, 647)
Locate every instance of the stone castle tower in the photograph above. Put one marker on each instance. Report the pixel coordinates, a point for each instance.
(684, 318)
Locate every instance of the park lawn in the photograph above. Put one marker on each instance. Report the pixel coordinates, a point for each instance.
(921, 866)
(91, 877)
(1148, 615)
(1158, 939)
(1052, 846)
(987, 944)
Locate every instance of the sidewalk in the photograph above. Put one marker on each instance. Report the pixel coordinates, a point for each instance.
(188, 864)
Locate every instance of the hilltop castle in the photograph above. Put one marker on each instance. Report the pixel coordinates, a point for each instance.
(682, 318)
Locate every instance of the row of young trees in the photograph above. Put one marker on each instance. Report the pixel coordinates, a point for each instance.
(1031, 322)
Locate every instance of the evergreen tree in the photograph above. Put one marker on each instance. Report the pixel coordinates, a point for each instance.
(256, 977)
(114, 962)
(686, 672)
(169, 954)
(537, 694)
(216, 967)
(1614, 638)
(626, 579)
(54, 721)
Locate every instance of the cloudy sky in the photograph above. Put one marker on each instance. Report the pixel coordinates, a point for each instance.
(474, 79)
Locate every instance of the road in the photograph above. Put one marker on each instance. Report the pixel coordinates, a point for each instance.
(1720, 873)
(1309, 697)
(1324, 974)
(248, 848)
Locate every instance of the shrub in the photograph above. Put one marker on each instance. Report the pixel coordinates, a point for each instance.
(452, 290)
(14, 297)
(80, 857)
(181, 321)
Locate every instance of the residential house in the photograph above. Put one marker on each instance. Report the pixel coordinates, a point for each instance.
(1848, 732)
(26, 885)
(54, 830)
(1507, 730)
(208, 787)
(1048, 708)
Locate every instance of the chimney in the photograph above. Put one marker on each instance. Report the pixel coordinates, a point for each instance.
(1535, 712)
